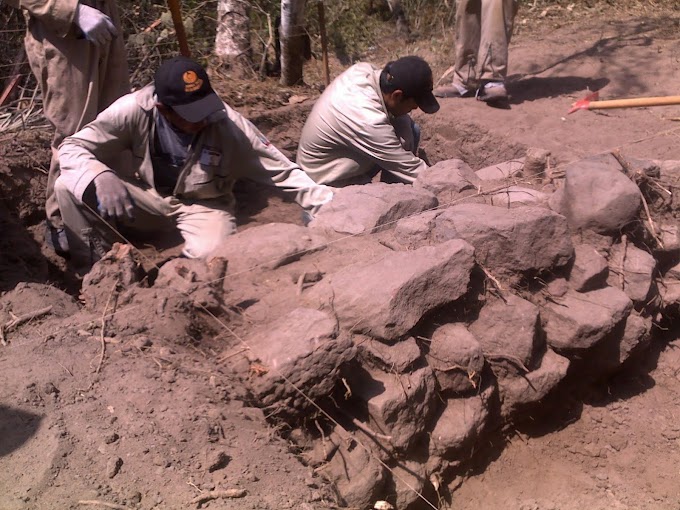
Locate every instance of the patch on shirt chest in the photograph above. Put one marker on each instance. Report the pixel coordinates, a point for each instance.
(210, 156)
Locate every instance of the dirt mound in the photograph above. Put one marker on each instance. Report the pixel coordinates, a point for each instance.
(148, 393)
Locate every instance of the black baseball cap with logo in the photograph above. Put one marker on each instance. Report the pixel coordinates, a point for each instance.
(413, 76)
(183, 85)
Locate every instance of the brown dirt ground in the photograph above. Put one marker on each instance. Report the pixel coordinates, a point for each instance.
(179, 420)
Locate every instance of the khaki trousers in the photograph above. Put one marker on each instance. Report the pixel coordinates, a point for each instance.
(77, 81)
(203, 224)
(483, 32)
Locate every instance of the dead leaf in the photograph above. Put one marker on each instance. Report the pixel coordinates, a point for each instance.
(297, 99)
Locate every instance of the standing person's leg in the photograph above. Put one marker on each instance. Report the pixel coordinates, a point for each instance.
(77, 80)
(466, 46)
(497, 24)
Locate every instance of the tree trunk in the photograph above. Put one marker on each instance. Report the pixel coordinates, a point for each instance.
(232, 42)
(292, 33)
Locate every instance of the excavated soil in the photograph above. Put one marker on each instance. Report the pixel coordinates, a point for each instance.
(156, 423)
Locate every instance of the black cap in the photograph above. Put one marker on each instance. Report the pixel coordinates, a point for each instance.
(413, 76)
(183, 85)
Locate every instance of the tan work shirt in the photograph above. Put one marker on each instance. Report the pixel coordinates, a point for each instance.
(349, 132)
(224, 151)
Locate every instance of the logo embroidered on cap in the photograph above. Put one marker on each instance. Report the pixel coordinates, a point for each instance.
(192, 81)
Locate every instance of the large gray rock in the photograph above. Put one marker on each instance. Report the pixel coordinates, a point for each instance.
(638, 268)
(398, 405)
(409, 481)
(517, 391)
(507, 241)
(669, 287)
(371, 207)
(456, 358)
(387, 297)
(268, 246)
(590, 269)
(417, 230)
(355, 472)
(636, 337)
(628, 339)
(503, 170)
(597, 195)
(580, 320)
(509, 328)
(399, 357)
(670, 238)
(447, 179)
(460, 425)
(302, 347)
(517, 196)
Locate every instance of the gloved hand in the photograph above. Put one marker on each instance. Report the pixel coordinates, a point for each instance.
(113, 198)
(96, 26)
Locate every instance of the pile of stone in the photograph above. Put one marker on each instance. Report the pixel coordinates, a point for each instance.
(406, 322)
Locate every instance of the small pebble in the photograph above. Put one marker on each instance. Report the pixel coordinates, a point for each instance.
(113, 467)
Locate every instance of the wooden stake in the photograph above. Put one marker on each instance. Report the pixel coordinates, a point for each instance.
(324, 43)
(176, 13)
(15, 76)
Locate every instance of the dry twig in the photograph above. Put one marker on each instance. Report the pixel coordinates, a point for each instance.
(209, 496)
(18, 320)
(513, 359)
(102, 503)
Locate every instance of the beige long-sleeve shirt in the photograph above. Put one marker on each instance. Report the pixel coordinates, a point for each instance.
(224, 151)
(349, 132)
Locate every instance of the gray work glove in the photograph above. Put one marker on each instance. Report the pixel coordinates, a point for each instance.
(113, 198)
(96, 26)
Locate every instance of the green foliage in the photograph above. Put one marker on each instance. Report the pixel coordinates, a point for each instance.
(352, 26)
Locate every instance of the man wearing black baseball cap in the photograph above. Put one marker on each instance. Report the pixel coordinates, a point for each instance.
(360, 124)
(188, 148)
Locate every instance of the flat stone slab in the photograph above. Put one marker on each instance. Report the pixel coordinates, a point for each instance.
(302, 347)
(386, 298)
(638, 269)
(519, 391)
(460, 425)
(399, 357)
(456, 357)
(447, 178)
(590, 269)
(370, 208)
(578, 320)
(517, 196)
(269, 246)
(503, 170)
(509, 328)
(510, 241)
(398, 405)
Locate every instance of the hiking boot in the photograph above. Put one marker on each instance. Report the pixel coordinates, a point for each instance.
(453, 90)
(493, 92)
(55, 238)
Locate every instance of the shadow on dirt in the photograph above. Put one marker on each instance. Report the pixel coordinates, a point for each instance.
(537, 88)
(565, 406)
(621, 71)
(16, 427)
(20, 256)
